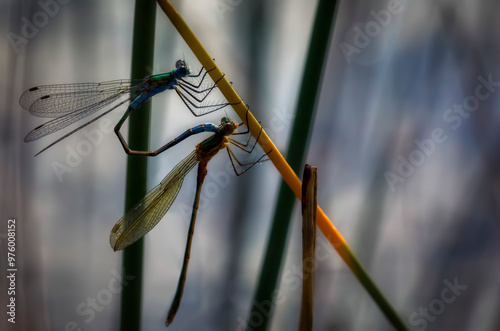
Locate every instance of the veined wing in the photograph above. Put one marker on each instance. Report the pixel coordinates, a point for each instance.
(84, 125)
(61, 99)
(150, 210)
(67, 119)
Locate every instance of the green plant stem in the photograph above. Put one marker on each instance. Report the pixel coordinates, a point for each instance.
(318, 48)
(137, 166)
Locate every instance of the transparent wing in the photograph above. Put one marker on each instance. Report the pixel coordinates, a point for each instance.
(150, 210)
(67, 119)
(58, 100)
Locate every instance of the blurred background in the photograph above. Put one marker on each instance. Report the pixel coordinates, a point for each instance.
(405, 139)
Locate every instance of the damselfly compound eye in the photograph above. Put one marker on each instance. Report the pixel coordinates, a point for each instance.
(180, 63)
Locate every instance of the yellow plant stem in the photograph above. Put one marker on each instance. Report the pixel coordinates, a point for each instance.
(323, 222)
(241, 109)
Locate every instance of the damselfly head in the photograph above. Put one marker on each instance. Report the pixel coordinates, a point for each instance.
(182, 68)
(180, 63)
(227, 125)
(225, 120)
